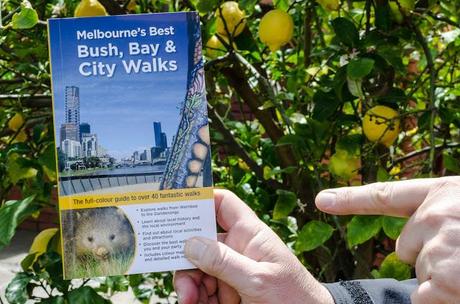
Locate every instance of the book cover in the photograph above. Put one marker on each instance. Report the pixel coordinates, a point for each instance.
(132, 140)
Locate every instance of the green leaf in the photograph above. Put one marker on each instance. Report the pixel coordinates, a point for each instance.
(346, 31)
(86, 295)
(382, 175)
(281, 4)
(16, 170)
(326, 105)
(362, 228)
(48, 161)
(27, 262)
(285, 203)
(53, 300)
(16, 291)
(392, 267)
(450, 163)
(382, 16)
(359, 68)
(355, 87)
(392, 226)
(26, 18)
(12, 213)
(206, 6)
(313, 235)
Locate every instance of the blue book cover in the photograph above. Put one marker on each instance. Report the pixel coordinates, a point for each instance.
(132, 140)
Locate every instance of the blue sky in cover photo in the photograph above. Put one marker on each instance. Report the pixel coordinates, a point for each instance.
(121, 110)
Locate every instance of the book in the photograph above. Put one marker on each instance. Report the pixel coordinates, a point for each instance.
(132, 140)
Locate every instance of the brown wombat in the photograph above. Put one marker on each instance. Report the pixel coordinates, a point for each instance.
(97, 234)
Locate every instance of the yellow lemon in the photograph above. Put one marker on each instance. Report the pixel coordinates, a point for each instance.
(381, 124)
(234, 19)
(16, 122)
(344, 165)
(90, 8)
(21, 137)
(330, 5)
(215, 47)
(131, 5)
(276, 29)
(40, 243)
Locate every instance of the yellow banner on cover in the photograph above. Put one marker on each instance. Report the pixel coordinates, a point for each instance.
(146, 197)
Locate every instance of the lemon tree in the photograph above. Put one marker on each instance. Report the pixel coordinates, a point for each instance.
(303, 96)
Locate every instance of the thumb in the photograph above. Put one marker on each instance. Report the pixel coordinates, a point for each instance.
(219, 260)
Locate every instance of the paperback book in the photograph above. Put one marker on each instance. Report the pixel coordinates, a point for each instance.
(132, 140)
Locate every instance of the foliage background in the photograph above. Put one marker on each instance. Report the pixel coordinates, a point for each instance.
(276, 120)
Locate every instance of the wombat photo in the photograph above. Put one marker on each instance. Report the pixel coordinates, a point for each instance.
(97, 242)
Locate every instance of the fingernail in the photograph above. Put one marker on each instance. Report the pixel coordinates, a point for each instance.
(194, 248)
(326, 200)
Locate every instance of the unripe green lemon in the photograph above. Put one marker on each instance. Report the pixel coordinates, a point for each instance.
(234, 19)
(381, 124)
(344, 165)
(276, 29)
(90, 8)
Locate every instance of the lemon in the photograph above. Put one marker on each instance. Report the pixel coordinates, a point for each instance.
(131, 5)
(276, 29)
(90, 8)
(234, 19)
(16, 122)
(21, 137)
(215, 48)
(381, 124)
(40, 243)
(344, 165)
(330, 5)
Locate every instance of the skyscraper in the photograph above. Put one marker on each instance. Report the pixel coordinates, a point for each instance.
(164, 141)
(85, 128)
(72, 107)
(68, 131)
(157, 133)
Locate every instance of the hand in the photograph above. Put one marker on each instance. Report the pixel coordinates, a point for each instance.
(431, 238)
(250, 263)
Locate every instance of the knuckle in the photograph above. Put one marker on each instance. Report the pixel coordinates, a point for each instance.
(381, 195)
(261, 281)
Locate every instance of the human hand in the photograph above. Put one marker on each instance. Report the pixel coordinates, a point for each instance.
(431, 238)
(250, 263)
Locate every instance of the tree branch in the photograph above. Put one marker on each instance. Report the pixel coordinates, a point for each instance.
(112, 7)
(425, 150)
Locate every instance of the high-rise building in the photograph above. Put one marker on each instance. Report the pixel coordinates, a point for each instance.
(164, 141)
(85, 128)
(68, 131)
(72, 107)
(89, 145)
(71, 148)
(155, 152)
(157, 133)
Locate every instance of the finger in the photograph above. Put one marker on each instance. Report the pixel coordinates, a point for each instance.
(220, 261)
(390, 198)
(227, 294)
(230, 209)
(429, 292)
(210, 283)
(203, 294)
(186, 284)
(221, 237)
(410, 241)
